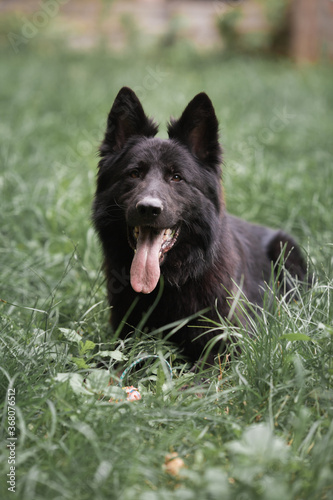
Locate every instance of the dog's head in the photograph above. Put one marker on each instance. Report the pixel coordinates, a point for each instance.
(166, 192)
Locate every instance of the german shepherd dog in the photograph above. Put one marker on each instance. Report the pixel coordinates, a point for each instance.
(159, 211)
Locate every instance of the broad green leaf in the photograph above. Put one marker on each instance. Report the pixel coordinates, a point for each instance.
(98, 379)
(71, 335)
(116, 355)
(80, 363)
(76, 381)
(86, 346)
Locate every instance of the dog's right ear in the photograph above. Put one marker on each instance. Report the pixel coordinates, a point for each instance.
(126, 119)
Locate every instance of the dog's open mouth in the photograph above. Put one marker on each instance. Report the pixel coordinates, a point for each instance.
(150, 246)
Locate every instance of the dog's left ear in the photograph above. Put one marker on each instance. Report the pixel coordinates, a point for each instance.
(197, 128)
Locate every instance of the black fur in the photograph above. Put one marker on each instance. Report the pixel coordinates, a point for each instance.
(155, 184)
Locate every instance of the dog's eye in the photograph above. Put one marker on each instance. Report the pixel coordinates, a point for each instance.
(176, 178)
(135, 174)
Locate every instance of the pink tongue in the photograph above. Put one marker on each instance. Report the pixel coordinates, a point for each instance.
(145, 269)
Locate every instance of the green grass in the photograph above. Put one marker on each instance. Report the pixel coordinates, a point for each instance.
(262, 427)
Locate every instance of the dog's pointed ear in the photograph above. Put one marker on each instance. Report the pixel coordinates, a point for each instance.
(126, 119)
(197, 128)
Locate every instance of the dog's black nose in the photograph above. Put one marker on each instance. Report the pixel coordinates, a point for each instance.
(149, 207)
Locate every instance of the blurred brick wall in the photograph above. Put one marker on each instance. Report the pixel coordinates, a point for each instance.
(312, 29)
(84, 21)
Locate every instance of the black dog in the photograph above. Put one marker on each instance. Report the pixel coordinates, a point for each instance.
(159, 209)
